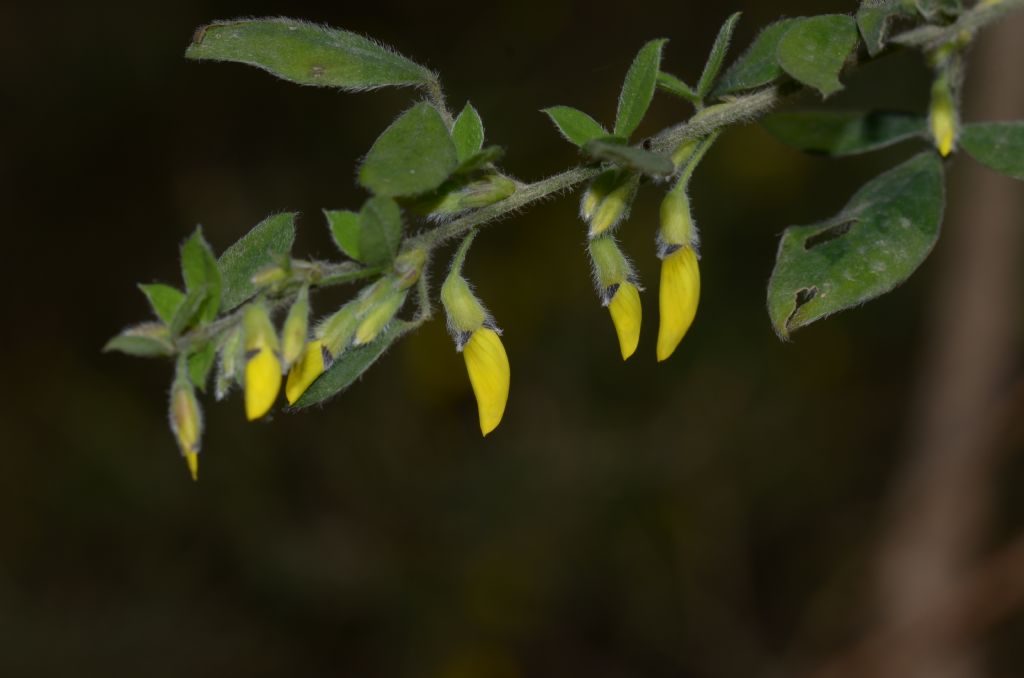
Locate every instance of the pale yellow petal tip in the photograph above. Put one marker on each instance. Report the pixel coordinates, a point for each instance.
(626, 315)
(192, 459)
(262, 383)
(305, 371)
(677, 299)
(489, 374)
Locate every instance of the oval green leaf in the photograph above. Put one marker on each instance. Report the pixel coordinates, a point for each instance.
(874, 244)
(344, 226)
(638, 88)
(164, 299)
(468, 133)
(875, 17)
(307, 54)
(200, 272)
(757, 66)
(999, 145)
(146, 340)
(350, 366)
(628, 157)
(267, 243)
(380, 230)
(814, 50)
(414, 155)
(717, 55)
(575, 125)
(840, 133)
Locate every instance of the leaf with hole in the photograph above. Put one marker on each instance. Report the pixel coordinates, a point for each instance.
(629, 157)
(999, 145)
(814, 50)
(267, 243)
(638, 88)
(576, 126)
(412, 156)
(350, 366)
(840, 133)
(757, 66)
(307, 54)
(876, 17)
(882, 235)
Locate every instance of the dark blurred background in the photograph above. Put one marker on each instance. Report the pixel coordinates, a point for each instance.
(716, 515)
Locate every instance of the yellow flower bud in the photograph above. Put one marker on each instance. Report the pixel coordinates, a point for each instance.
(186, 421)
(408, 267)
(677, 298)
(465, 312)
(296, 328)
(677, 227)
(227, 371)
(269, 276)
(337, 330)
(596, 192)
(942, 116)
(614, 207)
(262, 368)
(377, 318)
(305, 371)
(626, 313)
(487, 365)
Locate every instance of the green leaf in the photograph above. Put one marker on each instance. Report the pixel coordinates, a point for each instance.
(344, 225)
(484, 156)
(414, 155)
(931, 9)
(201, 274)
(380, 230)
(999, 145)
(164, 299)
(350, 366)
(190, 311)
(267, 243)
(200, 362)
(874, 244)
(718, 50)
(839, 133)
(575, 125)
(673, 85)
(758, 65)
(814, 50)
(468, 133)
(638, 89)
(613, 151)
(307, 54)
(146, 340)
(875, 17)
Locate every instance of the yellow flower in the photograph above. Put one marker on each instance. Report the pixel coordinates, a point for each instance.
(262, 383)
(487, 364)
(186, 422)
(626, 313)
(262, 368)
(677, 298)
(305, 371)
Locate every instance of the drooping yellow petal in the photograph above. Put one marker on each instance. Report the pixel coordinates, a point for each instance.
(192, 459)
(305, 371)
(625, 310)
(262, 383)
(677, 298)
(487, 364)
